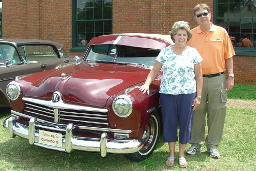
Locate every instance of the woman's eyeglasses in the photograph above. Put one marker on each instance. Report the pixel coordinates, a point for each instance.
(205, 13)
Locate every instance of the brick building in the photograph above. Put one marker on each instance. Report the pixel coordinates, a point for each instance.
(74, 22)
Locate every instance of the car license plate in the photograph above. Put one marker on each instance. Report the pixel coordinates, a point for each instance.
(50, 138)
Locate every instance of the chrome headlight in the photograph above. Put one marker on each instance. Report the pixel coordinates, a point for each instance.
(13, 90)
(122, 106)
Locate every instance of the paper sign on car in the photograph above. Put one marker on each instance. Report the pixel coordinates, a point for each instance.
(50, 138)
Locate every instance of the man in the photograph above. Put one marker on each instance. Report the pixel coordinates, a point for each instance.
(246, 42)
(214, 45)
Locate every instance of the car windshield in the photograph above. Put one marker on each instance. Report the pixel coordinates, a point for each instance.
(8, 54)
(123, 54)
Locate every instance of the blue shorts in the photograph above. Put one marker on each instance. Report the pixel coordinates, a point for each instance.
(177, 111)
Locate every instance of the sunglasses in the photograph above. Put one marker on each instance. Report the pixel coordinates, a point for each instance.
(205, 13)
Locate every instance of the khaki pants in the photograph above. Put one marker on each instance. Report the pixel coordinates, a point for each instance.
(213, 103)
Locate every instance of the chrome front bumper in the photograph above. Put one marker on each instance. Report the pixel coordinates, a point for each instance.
(103, 145)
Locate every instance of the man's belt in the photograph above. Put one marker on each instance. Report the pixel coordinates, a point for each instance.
(212, 75)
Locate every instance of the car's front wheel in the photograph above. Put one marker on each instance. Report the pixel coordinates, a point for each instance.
(150, 137)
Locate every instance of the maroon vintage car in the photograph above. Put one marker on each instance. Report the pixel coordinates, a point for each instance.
(95, 104)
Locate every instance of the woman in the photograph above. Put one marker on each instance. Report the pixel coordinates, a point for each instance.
(180, 89)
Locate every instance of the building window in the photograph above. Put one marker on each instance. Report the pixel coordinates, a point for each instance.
(92, 18)
(239, 19)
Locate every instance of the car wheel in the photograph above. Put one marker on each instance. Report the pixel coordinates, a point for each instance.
(150, 137)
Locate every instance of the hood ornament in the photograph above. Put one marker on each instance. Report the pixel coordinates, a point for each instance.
(77, 60)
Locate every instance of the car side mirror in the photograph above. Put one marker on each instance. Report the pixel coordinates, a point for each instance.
(7, 62)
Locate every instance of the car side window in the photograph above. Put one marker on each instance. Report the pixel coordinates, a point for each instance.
(9, 54)
(38, 53)
(128, 54)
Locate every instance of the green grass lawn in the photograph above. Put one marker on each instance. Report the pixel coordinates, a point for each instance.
(243, 92)
(237, 149)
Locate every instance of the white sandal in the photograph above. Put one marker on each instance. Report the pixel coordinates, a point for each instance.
(183, 162)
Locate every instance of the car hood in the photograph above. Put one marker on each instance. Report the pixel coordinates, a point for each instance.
(89, 84)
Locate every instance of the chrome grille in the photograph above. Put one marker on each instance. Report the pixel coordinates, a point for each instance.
(65, 116)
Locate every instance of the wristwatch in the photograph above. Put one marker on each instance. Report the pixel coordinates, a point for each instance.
(199, 97)
(231, 75)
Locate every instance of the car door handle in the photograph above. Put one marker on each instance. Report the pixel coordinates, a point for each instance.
(66, 61)
(43, 66)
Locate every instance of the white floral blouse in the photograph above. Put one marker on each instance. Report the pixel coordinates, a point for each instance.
(178, 70)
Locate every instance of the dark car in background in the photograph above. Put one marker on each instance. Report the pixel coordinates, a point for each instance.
(95, 104)
(21, 57)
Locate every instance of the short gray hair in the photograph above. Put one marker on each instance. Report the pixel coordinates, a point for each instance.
(203, 6)
(180, 25)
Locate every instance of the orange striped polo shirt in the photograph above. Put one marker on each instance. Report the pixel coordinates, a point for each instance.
(214, 47)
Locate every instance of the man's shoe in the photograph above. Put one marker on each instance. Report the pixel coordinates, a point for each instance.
(214, 153)
(192, 150)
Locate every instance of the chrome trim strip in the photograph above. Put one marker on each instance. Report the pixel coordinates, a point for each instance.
(85, 117)
(50, 128)
(105, 129)
(99, 123)
(62, 105)
(37, 108)
(51, 117)
(23, 115)
(64, 112)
